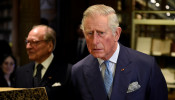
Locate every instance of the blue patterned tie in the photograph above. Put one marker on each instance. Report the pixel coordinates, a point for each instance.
(108, 78)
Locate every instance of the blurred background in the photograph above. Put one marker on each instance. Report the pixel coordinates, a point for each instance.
(147, 26)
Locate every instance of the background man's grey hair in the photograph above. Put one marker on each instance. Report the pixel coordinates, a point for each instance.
(50, 34)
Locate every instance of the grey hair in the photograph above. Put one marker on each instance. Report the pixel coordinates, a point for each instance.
(104, 10)
(50, 34)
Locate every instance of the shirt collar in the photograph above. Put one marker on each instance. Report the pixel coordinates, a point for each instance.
(47, 62)
(114, 57)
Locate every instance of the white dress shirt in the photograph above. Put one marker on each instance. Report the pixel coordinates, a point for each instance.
(45, 64)
(112, 62)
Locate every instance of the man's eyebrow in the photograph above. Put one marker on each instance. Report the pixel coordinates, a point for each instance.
(88, 30)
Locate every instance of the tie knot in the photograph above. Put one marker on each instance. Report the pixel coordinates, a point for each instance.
(106, 63)
(39, 67)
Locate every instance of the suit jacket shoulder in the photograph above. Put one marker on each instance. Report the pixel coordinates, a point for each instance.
(24, 76)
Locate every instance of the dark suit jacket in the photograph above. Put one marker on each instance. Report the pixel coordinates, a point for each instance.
(3, 82)
(55, 73)
(132, 66)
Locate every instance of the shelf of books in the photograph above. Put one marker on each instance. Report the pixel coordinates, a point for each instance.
(5, 19)
(153, 33)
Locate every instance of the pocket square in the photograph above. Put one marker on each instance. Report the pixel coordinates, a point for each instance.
(133, 87)
(56, 84)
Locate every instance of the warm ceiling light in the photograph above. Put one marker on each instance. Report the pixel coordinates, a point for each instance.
(168, 14)
(167, 7)
(153, 1)
(157, 4)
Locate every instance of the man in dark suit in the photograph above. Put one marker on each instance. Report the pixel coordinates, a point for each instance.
(40, 44)
(113, 71)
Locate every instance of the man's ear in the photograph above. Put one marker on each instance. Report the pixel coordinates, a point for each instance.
(117, 33)
(50, 45)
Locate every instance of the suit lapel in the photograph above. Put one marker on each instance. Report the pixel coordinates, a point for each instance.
(48, 74)
(94, 79)
(122, 75)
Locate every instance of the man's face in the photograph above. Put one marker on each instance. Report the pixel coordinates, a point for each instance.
(101, 42)
(37, 48)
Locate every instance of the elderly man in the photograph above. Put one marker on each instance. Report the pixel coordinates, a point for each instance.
(45, 70)
(113, 71)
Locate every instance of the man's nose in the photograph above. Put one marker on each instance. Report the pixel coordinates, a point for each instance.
(95, 38)
(28, 45)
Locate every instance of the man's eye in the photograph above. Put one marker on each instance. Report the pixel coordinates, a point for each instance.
(90, 33)
(34, 41)
(101, 32)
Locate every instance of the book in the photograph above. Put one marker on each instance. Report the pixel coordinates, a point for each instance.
(161, 47)
(173, 49)
(157, 47)
(144, 45)
(169, 75)
(166, 47)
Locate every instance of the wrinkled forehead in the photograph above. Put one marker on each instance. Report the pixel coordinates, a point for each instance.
(92, 27)
(98, 22)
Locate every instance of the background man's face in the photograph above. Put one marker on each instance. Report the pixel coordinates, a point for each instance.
(37, 48)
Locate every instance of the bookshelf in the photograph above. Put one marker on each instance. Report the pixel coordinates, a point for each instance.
(5, 19)
(154, 25)
(153, 33)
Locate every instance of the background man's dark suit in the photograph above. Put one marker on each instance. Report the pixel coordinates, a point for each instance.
(74, 54)
(55, 73)
(132, 66)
